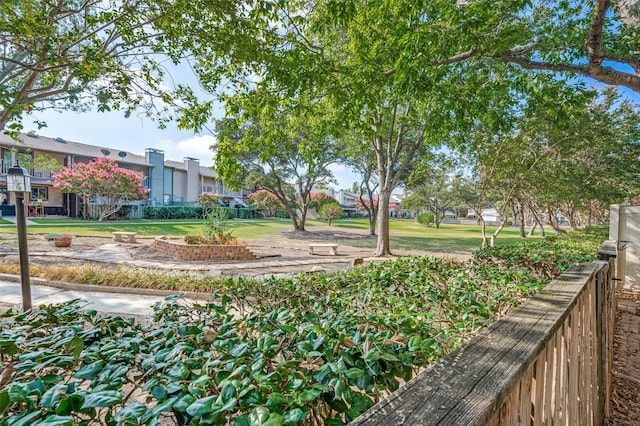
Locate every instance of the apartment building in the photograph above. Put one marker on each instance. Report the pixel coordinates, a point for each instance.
(170, 182)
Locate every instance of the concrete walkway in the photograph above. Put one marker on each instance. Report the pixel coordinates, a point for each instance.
(117, 303)
(13, 219)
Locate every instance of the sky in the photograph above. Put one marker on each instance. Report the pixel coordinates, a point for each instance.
(137, 133)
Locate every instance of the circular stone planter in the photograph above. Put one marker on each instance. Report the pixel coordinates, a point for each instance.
(63, 241)
(182, 250)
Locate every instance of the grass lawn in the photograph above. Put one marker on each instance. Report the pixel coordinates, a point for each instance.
(406, 234)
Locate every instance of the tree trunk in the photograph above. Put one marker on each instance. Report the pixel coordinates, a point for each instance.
(303, 218)
(372, 222)
(514, 214)
(483, 228)
(519, 210)
(495, 234)
(294, 220)
(553, 223)
(383, 247)
(537, 219)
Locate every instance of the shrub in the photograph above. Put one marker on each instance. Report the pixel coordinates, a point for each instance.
(331, 211)
(173, 212)
(282, 214)
(426, 219)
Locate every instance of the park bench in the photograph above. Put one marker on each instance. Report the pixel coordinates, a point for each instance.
(333, 248)
(119, 236)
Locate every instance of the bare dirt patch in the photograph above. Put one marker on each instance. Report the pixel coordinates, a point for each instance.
(282, 253)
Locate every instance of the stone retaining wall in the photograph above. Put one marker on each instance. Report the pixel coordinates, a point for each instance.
(181, 250)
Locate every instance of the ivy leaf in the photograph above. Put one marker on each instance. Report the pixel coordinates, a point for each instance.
(183, 403)
(75, 347)
(239, 350)
(258, 416)
(242, 420)
(201, 406)
(178, 371)
(24, 419)
(310, 394)
(52, 396)
(354, 373)
(102, 399)
(131, 412)
(5, 401)
(274, 419)
(88, 371)
(55, 420)
(294, 416)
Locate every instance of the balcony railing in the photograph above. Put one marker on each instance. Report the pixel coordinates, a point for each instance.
(35, 173)
(547, 363)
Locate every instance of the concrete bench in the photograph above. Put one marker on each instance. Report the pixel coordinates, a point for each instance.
(333, 248)
(119, 236)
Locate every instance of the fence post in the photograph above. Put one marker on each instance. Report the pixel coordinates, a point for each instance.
(606, 317)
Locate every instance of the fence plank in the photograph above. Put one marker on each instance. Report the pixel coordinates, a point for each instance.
(470, 385)
(524, 410)
(559, 376)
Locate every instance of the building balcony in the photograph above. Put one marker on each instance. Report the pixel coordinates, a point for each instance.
(34, 173)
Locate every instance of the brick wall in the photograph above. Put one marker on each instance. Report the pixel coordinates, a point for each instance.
(180, 250)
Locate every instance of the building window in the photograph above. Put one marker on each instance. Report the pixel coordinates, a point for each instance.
(39, 193)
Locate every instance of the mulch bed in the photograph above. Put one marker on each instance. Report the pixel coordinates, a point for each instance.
(625, 393)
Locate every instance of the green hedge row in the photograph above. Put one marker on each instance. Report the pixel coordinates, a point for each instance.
(196, 212)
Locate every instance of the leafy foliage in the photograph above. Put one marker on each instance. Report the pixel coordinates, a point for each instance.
(331, 211)
(216, 228)
(174, 212)
(265, 200)
(319, 199)
(426, 218)
(76, 55)
(314, 349)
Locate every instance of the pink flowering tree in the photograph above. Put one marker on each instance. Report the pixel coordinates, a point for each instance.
(265, 200)
(108, 186)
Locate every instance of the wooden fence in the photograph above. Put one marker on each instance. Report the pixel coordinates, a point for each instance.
(547, 363)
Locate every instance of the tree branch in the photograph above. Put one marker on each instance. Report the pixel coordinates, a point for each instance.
(460, 57)
(607, 75)
(593, 43)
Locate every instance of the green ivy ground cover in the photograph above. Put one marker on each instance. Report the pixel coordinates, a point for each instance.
(318, 349)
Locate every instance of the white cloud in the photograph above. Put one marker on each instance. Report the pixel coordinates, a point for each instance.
(343, 175)
(195, 147)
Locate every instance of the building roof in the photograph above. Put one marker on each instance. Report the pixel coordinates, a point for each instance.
(62, 146)
(178, 165)
(350, 194)
(207, 172)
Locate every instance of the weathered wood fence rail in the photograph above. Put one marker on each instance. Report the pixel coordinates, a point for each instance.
(546, 363)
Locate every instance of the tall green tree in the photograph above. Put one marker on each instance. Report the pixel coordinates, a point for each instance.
(405, 75)
(430, 187)
(278, 145)
(592, 164)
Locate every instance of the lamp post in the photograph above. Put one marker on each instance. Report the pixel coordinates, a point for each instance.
(19, 182)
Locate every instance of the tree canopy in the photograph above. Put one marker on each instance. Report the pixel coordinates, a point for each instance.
(77, 54)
